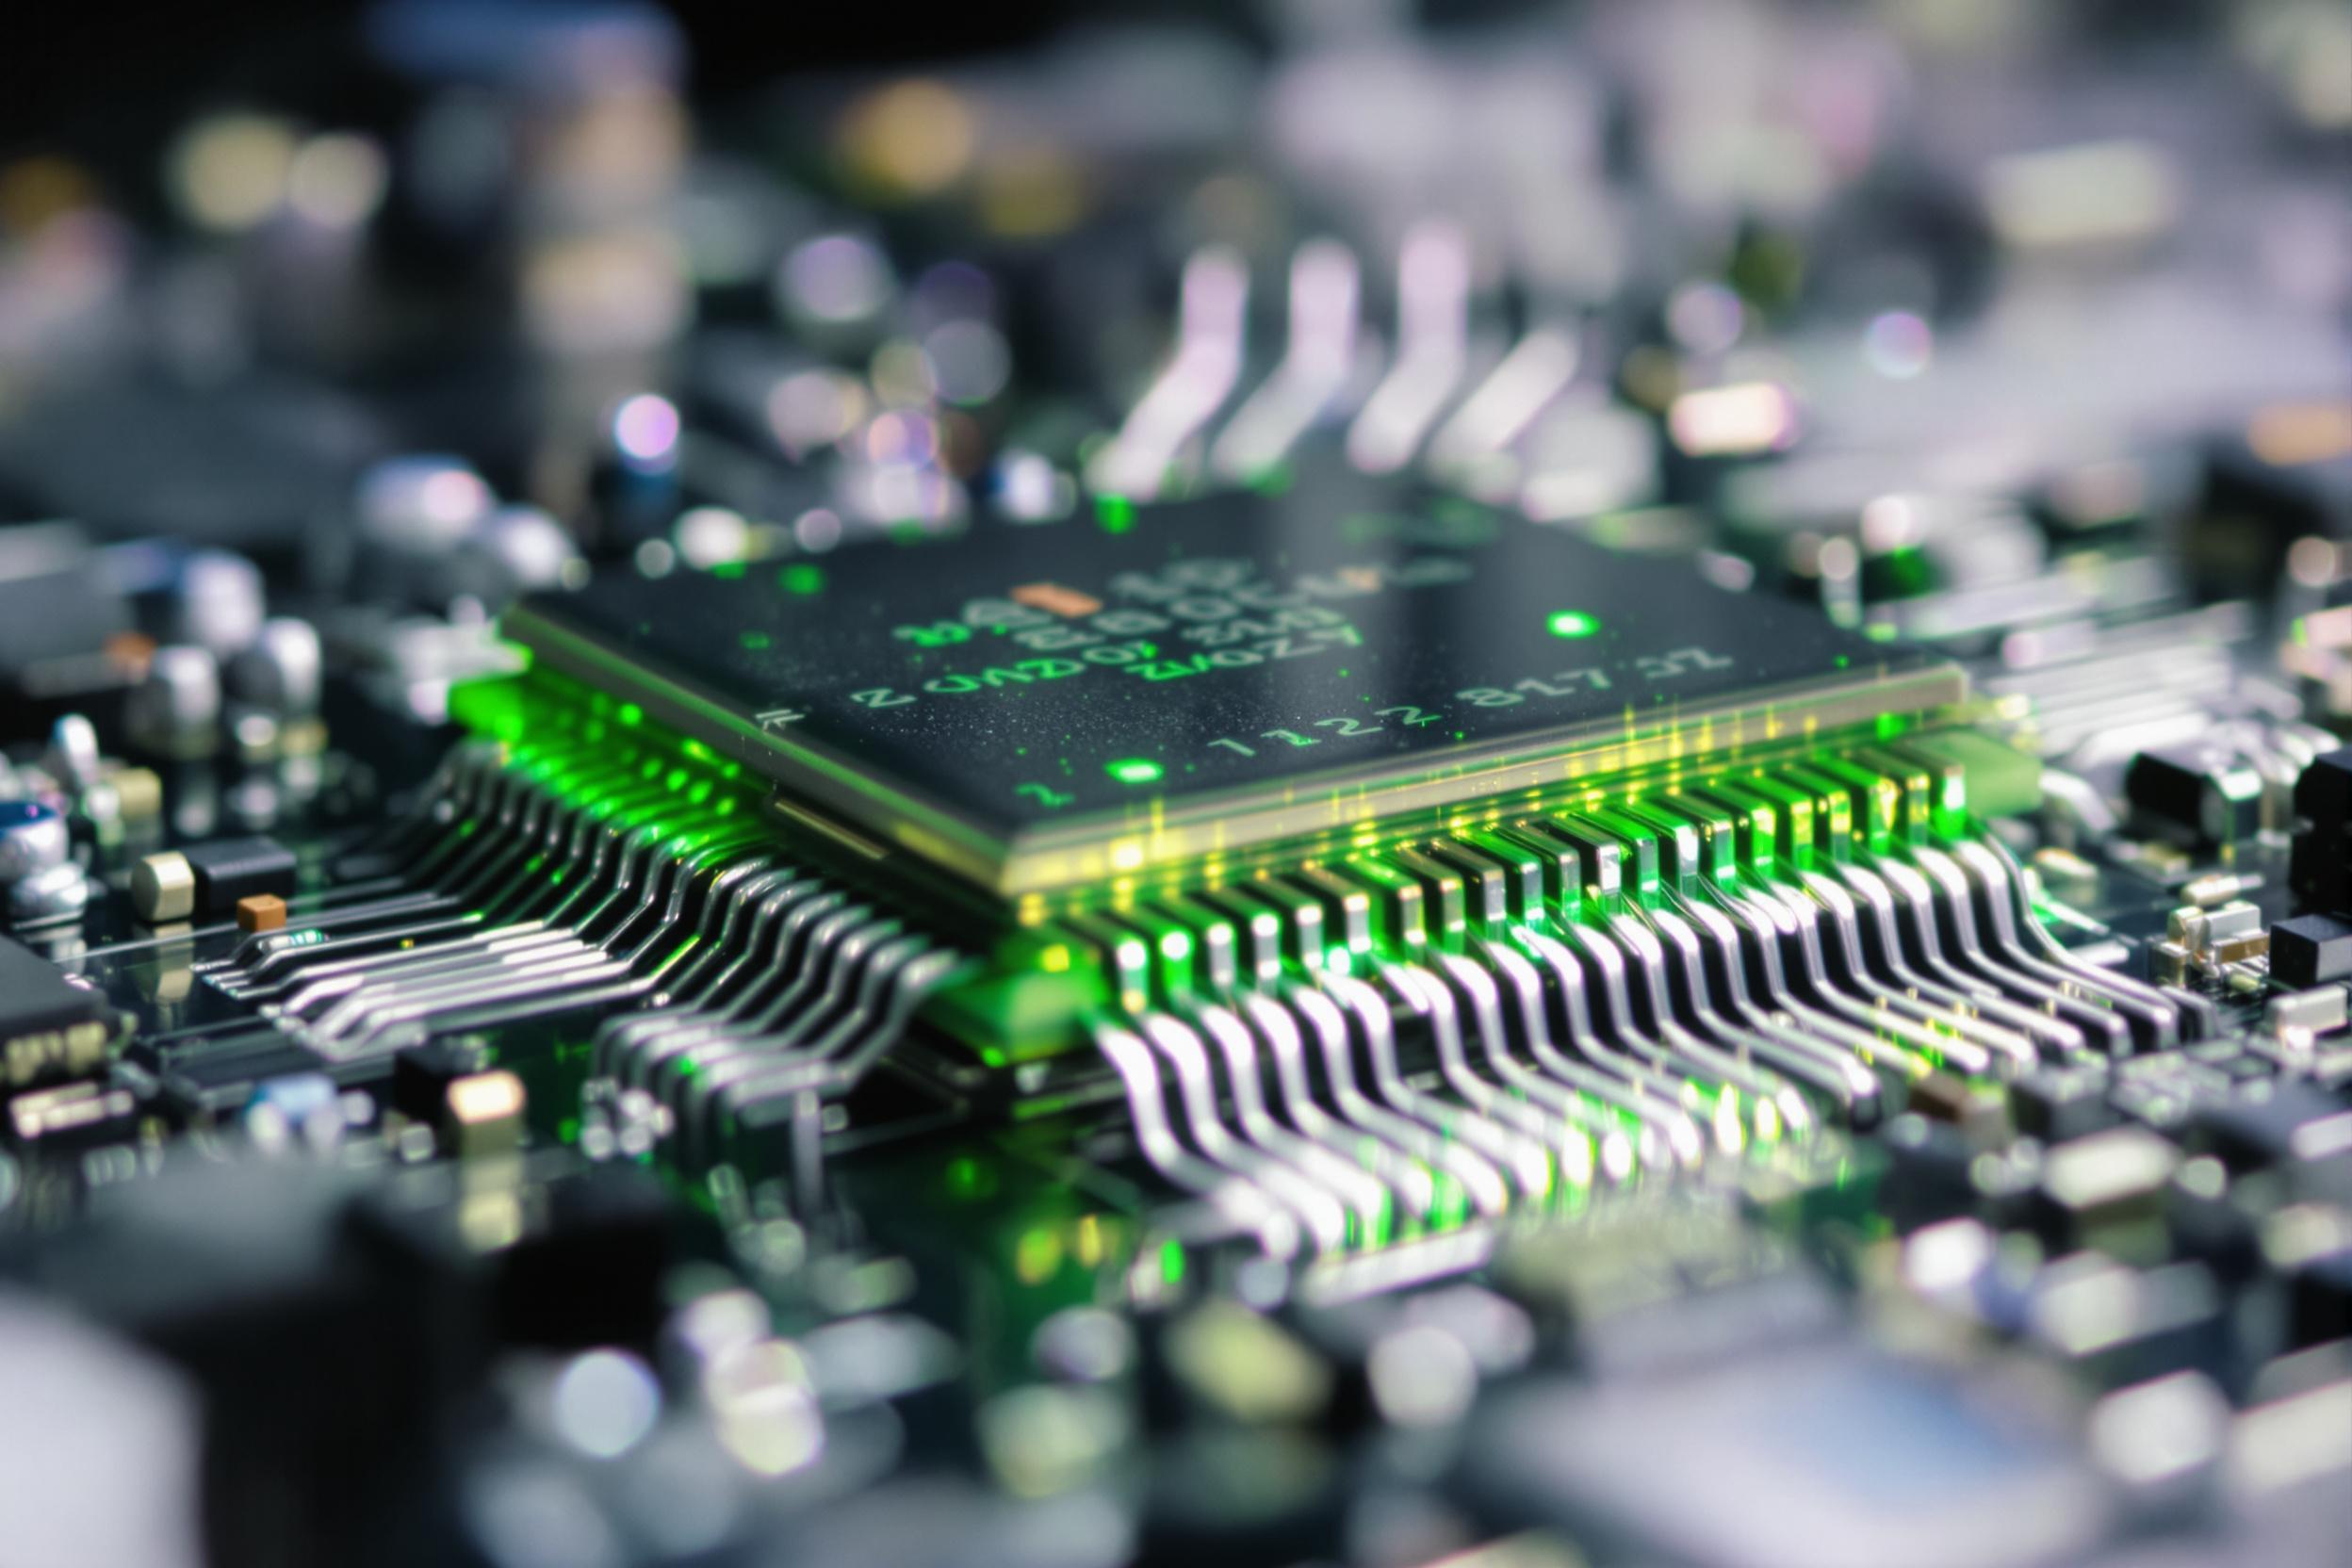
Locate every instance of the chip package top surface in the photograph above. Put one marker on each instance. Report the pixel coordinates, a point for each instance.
(1034, 709)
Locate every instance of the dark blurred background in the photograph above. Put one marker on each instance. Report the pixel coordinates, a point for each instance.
(118, 71)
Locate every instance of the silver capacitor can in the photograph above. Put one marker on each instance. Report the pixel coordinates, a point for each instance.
(33, 838)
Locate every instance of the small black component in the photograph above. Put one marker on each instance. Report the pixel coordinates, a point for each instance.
(49, 1027)
(587, 1270)
(2310, 950)
(1930, 1173)
(2118, 1325)
(215, 1075)
(2278, 1127)
(591, 1274)
(2320, 1312)
(2320, 869)
(2056, 1104)
(229, 869)
(421, 1077)
(2201, 791)
(238, 1274)
(2105, 1191)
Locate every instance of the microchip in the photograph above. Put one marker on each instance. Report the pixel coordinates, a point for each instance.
(1040, 708)
(49, 1027)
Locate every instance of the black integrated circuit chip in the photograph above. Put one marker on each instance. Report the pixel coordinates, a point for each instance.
(1039, 708)
(49, 1027)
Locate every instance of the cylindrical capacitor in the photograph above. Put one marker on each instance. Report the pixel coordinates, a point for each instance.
(73, 759)
(413, 515)
(175, 710)
(61, 890)
(530, 549)
(422, 501)
(33, 838)
(163, 887)
(217, 602)
(280, 672)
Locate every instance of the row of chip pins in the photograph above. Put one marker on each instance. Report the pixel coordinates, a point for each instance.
(1351, 1159)
(377, 920)
(1944, 923)
(1807, 1005)
(1260, 1048)
(635, 973)
(1504, 1132)
(1372, 1185)
(838, 945)
(1593, 933)
(1838, 919)
(522, 941)
(771, 903)
(347, 1024)
(789, 923)
(819, 989)
(523, 917)
(483, 794)
(1962, 911)
(630, 956)
(803, 1061)
(1896, 805)
(1247, 1210)
(1803, 1037)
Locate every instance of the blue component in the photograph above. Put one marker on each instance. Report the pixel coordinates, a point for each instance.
(296, 1097)
(33, 838)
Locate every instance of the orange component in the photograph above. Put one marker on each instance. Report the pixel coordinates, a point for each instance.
(1056, 599)
(261, 912)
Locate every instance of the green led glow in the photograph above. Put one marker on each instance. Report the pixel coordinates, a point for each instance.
(1135, 770)
(1571, 624)
(970, 1178)
(1176, 946)
(1449, 1207)
(1116, 513)
(801, 577)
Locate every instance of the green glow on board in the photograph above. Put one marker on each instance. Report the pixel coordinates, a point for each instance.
(1571, 624)
(1135, 770)
(970, 1178)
